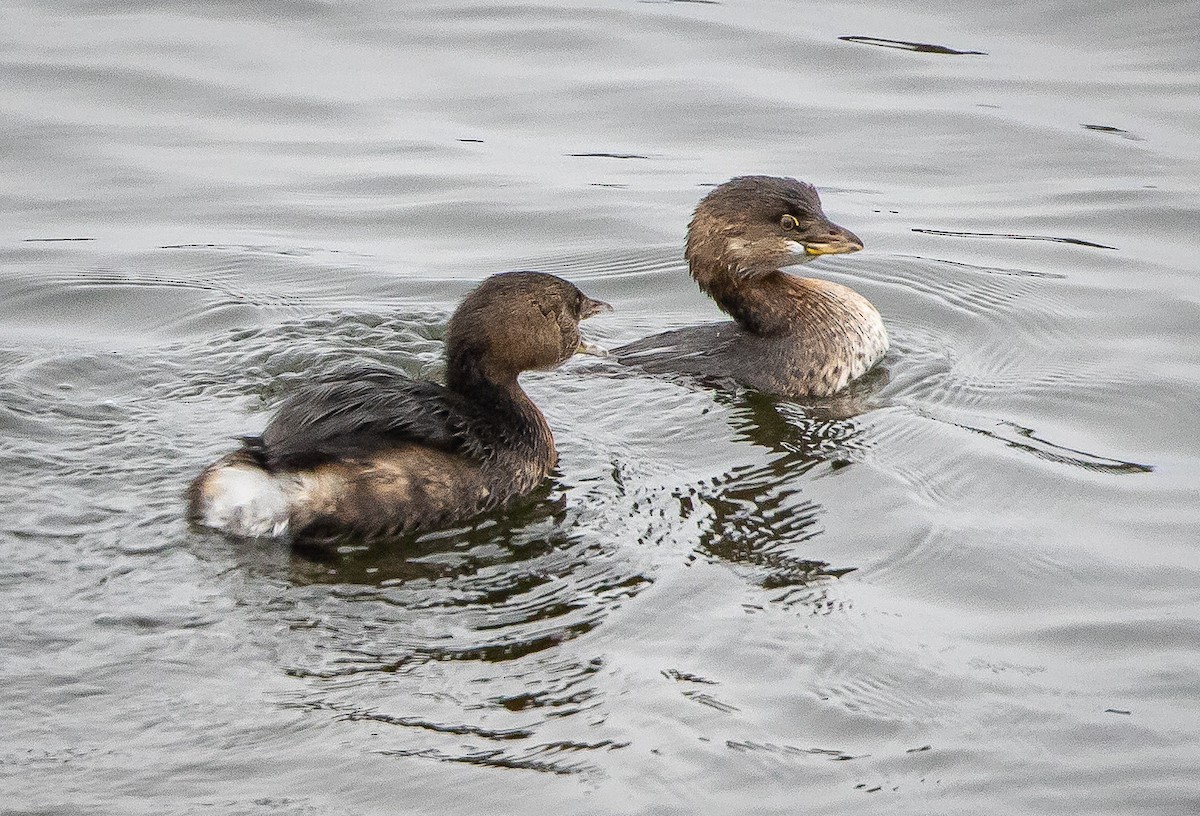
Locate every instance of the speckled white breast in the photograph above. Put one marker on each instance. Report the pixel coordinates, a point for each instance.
(858, 332)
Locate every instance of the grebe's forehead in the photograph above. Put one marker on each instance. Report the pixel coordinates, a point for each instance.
(757, 195)
(522, 297)
(514, 286)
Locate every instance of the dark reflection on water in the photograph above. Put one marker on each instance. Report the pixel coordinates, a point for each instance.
(1014, 236)
(54, 240)
(924, 48)
(1027, 441)
(512, 585)
(607, 156)
(760, 517)
(1110, 129)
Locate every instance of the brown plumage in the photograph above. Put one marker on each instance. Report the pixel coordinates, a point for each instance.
(795, 337)
(375, 452)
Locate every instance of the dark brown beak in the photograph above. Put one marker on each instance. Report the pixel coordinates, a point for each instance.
(590, 308)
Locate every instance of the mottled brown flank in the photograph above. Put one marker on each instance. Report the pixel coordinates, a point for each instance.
(411, 487)
(400, 467)
(791, 336)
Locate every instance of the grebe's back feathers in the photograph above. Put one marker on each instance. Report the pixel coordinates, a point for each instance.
(373, 410)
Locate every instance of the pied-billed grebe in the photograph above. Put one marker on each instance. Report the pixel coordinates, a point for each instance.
(795, 337)
(379, 453)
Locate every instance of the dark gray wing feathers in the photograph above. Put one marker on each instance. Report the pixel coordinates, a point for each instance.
(336, 419)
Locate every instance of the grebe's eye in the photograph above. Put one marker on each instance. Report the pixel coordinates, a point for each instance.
(788, 222)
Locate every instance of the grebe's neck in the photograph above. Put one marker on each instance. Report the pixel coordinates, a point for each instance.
(763, 303)
(505, 403)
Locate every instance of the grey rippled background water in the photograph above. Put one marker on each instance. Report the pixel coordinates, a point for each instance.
(978, 593)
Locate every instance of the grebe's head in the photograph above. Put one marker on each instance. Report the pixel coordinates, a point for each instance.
(514, 322)
(751, 225)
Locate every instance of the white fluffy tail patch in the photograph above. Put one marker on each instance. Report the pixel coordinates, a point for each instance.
(243, 500)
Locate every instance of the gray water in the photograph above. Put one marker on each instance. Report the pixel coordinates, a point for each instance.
(975, 592)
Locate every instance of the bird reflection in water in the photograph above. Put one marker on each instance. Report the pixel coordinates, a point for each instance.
(760, 519)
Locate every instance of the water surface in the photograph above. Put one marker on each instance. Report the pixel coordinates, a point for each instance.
(974, 592)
